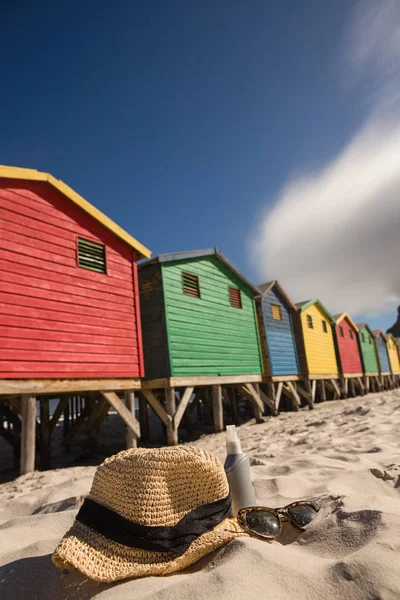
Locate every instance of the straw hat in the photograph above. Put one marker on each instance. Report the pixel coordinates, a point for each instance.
(151, 511)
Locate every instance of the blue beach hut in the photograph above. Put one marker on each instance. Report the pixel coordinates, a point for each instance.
(381, 348)
(275, 311)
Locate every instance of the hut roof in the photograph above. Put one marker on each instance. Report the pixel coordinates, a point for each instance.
(306, 304)
(378, 332)
(63, 188)
(176, 256)
(338, 318)
(365, 326)
(267, 287)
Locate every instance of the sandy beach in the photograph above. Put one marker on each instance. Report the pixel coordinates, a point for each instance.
(345, 455)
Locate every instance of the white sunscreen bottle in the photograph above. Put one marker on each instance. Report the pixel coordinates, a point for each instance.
(237, 469)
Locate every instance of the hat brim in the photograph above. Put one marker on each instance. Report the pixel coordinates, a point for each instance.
(104, 560)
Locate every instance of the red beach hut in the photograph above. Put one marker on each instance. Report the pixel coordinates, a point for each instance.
(68, 297)
(348, 350)
(69, 305)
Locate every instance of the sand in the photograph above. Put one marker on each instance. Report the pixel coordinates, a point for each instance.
(344, 454)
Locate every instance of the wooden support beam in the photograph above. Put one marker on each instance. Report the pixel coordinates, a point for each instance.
(310, 396)
(352, 387)
(122, 410)
(130, 437)
(322, 389)
(218, 412)
(335, 387)
(293, 395)
(250, 393)
(58, 412)
(361, 385)
(170, 402)
(166, 382)
(272, 396)
(313, 389)
(279, 391)
(28, 437)
(157, 406)
(16, 387)
(45, 454)
(182, 405)
(268, 402)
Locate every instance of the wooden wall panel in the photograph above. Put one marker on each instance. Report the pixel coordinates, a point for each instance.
(319, 346)
(348, 349)
(368, 351)
(56, 319)
(280, 341)
(206, 335)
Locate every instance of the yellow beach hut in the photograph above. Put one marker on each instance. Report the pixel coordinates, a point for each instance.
(316, 347)
(393, 356)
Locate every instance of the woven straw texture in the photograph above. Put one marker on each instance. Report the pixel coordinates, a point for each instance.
(150, 486)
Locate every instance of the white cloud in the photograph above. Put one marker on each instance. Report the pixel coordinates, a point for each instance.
(335, 233)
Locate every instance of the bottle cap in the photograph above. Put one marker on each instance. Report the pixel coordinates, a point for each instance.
(232, 440)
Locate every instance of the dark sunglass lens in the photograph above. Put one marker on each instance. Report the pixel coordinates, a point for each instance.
(263, 523)
(302, 515)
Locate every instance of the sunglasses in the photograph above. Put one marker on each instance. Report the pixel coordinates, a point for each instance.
(266, 523)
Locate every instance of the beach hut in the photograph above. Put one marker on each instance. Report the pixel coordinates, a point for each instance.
(383, 359)
(199, 328)
(316, 348)
(393, 354)
(348, 354)
(69, 302)
(275, 312)
(366, 339)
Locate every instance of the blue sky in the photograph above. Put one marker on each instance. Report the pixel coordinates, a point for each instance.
(183, 121)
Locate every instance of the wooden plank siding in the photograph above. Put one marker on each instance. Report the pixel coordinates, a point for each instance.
(319, 346)
(278, 337)
(381, 347)
(154, 328)
(56, 319)
(393, 353)
(206, 335)
(347, 346)
(368, 350)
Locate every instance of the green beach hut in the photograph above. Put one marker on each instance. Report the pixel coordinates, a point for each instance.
(369, 357)
(199, 326)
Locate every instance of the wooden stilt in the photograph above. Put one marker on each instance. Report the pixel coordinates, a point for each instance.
(322, 390)
(125, 414)
(313, 389)
(218, 413)
(279, 391)
(182, 406)
(250, 393)
(45, 454)
(310, 395)
(272, 395)
(28, 437)
(172, 431)
(352, 388)
(269, 402)
(130, 437)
